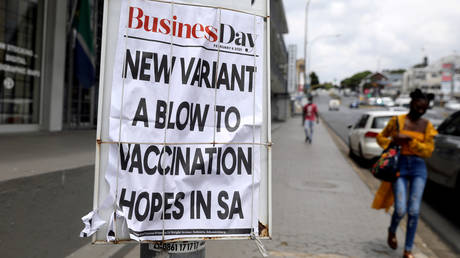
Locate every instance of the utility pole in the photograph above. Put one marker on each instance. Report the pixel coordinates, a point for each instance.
(305, 53)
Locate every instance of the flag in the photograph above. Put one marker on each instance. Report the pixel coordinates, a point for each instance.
(84, 65)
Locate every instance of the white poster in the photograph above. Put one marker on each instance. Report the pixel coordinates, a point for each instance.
(186, 108)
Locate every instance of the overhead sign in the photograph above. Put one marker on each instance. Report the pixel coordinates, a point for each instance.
(184, 136)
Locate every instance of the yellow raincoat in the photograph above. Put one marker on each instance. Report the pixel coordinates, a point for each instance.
(421, 145)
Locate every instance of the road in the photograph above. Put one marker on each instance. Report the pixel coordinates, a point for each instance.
(437, 209)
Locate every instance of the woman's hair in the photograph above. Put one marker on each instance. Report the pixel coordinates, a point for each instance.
(418, 94)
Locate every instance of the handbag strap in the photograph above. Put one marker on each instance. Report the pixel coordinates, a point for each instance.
(397, 130)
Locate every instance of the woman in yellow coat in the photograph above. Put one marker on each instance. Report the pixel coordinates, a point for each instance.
(416, 138)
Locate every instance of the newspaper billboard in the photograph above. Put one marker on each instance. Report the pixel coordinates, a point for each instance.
(184, 126)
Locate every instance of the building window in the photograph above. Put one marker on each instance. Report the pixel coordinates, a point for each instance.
(20, 61)
(420, 76)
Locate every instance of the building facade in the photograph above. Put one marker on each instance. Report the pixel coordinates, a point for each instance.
(300, 68)
(280, 98)
(292, 71)
(394, 83)
(39, 90)
(441, 78)
(373, 84)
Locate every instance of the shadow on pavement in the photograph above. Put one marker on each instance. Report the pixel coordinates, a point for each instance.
(41, 214)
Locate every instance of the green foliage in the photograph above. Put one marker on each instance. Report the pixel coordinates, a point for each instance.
(397, 71)
(353, 81)
(326, 86)
(314, 80)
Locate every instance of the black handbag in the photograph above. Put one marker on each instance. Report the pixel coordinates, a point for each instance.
(387, 166)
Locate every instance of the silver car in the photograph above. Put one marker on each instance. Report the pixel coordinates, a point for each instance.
(362, 136)
(444, 164)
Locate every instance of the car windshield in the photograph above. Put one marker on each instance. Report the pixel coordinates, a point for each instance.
(380, 122)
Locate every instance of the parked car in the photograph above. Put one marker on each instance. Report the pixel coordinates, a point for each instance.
(388, 102)
(435, 117)
(403, 101)
(396, 108)
(372, 101)
(354, 104)
(444, 166)
(452, 105)
(334, 104)
(362, 135)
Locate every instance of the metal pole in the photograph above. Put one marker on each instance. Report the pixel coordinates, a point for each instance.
(305, 53)
(185, 249)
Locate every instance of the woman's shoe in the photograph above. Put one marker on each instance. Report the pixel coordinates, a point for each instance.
(408, 254)
(392, 242)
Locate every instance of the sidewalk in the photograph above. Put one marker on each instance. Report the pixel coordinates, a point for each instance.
(321, 207)
(31, 154)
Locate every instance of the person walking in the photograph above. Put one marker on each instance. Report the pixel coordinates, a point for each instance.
(416, 139)
(310, 114)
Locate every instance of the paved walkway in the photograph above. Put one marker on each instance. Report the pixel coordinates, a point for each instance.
(321, 208)
(31, 154)
(320, 205)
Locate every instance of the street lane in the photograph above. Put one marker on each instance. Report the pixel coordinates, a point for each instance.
(438, 209)
(339, 120)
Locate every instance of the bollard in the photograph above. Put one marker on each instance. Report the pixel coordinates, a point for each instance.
(184, 249)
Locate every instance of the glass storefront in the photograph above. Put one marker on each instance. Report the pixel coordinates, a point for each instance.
(21, 32)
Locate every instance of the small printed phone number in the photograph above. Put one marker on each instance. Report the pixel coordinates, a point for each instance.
(181, 247)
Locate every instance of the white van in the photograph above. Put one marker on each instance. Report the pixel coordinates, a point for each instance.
(334, 104)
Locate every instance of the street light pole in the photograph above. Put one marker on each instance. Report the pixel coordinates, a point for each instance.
(305, 53)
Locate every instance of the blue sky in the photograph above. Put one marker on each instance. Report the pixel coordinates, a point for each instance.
(375, 35)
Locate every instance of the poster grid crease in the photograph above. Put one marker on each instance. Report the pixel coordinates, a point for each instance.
(215, 86)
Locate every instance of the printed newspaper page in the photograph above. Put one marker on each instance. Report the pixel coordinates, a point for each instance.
(186, 108)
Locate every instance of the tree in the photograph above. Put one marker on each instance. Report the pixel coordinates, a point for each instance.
(314, 80)
(396, 71)
(354, 81)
